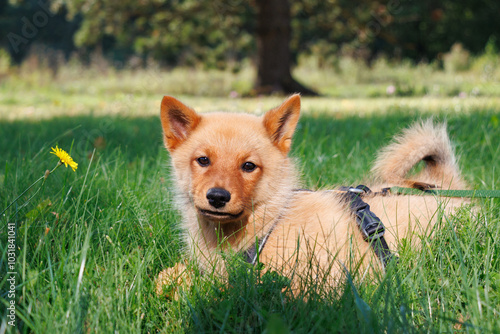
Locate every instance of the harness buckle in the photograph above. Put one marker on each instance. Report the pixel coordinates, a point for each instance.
(370, 225)
(356, 190)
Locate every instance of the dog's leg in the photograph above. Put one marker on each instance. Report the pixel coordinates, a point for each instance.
(169, 280)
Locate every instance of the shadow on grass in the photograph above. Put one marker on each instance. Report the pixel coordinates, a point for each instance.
(134, 136)
(143, 136)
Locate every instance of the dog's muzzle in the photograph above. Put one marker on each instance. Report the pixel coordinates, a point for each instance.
(218, 197)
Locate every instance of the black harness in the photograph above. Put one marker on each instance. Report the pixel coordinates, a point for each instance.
(369, 224)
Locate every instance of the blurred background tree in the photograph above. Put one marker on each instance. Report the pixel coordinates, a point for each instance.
(52, 30)
(212, 33)
(270, 34)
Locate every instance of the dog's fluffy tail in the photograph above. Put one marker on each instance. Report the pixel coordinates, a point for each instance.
(424, 141)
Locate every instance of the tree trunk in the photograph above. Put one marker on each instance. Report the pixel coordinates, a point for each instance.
(273, 51)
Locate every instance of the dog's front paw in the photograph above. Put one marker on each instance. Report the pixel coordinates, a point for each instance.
(171, 279)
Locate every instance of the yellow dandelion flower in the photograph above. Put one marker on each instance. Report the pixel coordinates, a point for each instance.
(64, 158)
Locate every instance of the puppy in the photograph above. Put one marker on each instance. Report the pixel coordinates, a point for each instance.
(237, 191)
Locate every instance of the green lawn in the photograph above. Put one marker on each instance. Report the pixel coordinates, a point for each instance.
(90, 243)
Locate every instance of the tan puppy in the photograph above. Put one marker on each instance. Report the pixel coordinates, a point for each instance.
(235, 189)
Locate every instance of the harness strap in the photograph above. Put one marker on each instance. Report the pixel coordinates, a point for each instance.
(370, 225)
(250, 255)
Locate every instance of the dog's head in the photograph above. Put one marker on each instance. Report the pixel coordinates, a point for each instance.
(228, 164)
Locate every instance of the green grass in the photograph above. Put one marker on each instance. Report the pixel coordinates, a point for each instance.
(90, 243)
(113, 219)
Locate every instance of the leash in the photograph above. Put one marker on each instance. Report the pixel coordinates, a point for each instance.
(445, 193)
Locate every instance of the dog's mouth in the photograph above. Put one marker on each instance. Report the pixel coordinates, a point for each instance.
(219, 215)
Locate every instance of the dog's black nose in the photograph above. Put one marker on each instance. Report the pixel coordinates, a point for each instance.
(218, 197)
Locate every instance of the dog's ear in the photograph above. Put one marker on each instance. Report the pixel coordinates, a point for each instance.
(177, 120)
(280, 122)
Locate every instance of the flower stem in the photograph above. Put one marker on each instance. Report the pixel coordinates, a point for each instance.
(44, 177)
(24, 192)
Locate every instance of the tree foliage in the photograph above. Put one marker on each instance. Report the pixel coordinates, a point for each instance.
(425, 29)
(171, 32)
(217, 32)
(23, 22)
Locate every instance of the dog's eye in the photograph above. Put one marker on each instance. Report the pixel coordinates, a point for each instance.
(203, 161)
(248, 166)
